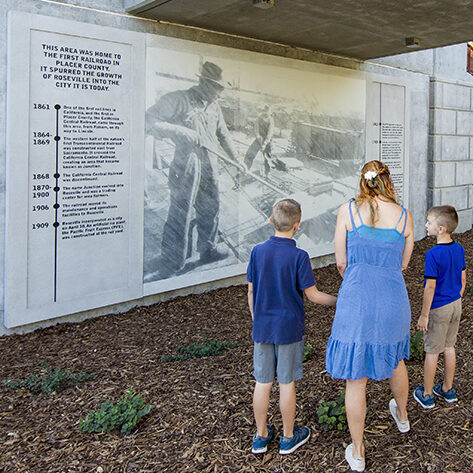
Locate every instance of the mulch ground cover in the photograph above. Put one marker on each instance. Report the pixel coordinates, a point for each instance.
(201, 420)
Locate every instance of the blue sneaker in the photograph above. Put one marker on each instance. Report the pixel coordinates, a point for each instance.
(260, 444)
(449, 396)
(299, 438)
(427, 401)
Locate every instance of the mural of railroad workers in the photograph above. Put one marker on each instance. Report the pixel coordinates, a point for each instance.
(264, 129)
(193, 121)
(229, 134)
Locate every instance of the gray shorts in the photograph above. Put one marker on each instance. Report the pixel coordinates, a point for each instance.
(442, 328)
(285, 361)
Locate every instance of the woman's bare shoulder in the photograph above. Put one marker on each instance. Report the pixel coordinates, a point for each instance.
(344, 207)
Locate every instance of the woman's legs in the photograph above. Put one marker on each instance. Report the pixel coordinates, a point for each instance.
(355, 405)
(399, 383)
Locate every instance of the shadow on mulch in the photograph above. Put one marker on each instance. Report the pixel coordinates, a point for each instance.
(201, 419)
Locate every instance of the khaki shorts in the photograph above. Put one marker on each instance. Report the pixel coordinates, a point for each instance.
(443, 326)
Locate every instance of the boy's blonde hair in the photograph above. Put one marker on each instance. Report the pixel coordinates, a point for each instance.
(446, 215)
(286, 213)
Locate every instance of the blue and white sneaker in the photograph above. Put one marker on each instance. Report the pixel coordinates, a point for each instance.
(426, 401)
(449, 396)
(260, 444)
(300, 437)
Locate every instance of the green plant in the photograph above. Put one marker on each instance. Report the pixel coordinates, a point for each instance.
(331, 414)
(211, 348)
(124, 415)
(470, 292)
(307, 350)
(417, 349)
(48, 380)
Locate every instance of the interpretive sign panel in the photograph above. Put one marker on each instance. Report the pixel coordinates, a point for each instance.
(74, 168)
(128, 177)
(387, 119)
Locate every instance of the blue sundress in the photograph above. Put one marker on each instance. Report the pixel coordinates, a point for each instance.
(371, 328)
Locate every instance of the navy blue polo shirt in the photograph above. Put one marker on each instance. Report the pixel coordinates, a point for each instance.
(445, 263)
(279, 272)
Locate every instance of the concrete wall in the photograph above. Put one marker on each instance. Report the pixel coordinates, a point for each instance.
(450, 148)
(111, 13)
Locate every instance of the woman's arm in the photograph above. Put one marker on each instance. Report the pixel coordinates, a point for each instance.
(340, 238)
(409, 245)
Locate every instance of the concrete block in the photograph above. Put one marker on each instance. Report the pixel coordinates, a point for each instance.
(450, 63)
(456, 96)
(436, 94)
(442, 174)
(464, 173)
(434, 198)
(464, 123)
(455, 148)
(465, 220)
(435, 147)
(456, 196)
(443, 122)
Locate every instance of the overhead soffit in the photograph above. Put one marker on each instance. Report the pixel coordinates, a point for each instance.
(358, 29)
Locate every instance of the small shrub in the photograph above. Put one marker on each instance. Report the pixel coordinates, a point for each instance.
(332, 414)
(123, 416)
(307, 350)
(211, 348)
(417, 349)
(470, 292)
(48, 380)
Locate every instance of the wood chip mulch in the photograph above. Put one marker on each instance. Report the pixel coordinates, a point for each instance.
(202, 419)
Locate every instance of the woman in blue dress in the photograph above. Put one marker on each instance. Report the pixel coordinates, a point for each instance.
(370, 333)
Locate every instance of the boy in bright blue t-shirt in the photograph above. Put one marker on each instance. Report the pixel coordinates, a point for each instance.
(444, 284)
(278, 274)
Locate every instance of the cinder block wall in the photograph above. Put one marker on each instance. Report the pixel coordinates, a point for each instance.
(451, 148)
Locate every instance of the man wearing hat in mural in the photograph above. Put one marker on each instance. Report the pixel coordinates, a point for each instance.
(193, 120)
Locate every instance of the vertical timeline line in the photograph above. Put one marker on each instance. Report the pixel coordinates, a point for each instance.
(56, 204)
(380, 121)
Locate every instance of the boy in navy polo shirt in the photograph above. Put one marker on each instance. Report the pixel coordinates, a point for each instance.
(445, 281)
(278, 275)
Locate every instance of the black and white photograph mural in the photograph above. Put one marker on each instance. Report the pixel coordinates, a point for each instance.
(227, 135)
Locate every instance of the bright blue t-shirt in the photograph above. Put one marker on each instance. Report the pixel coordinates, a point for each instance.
(279, 272)
(445, 263)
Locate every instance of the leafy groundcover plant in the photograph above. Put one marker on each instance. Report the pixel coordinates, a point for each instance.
(123, 416)
(49, 380)
(332, 414)
(307, 350)
(417, 349)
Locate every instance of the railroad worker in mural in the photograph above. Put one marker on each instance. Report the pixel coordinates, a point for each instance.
(264, 130)
(193, 120)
